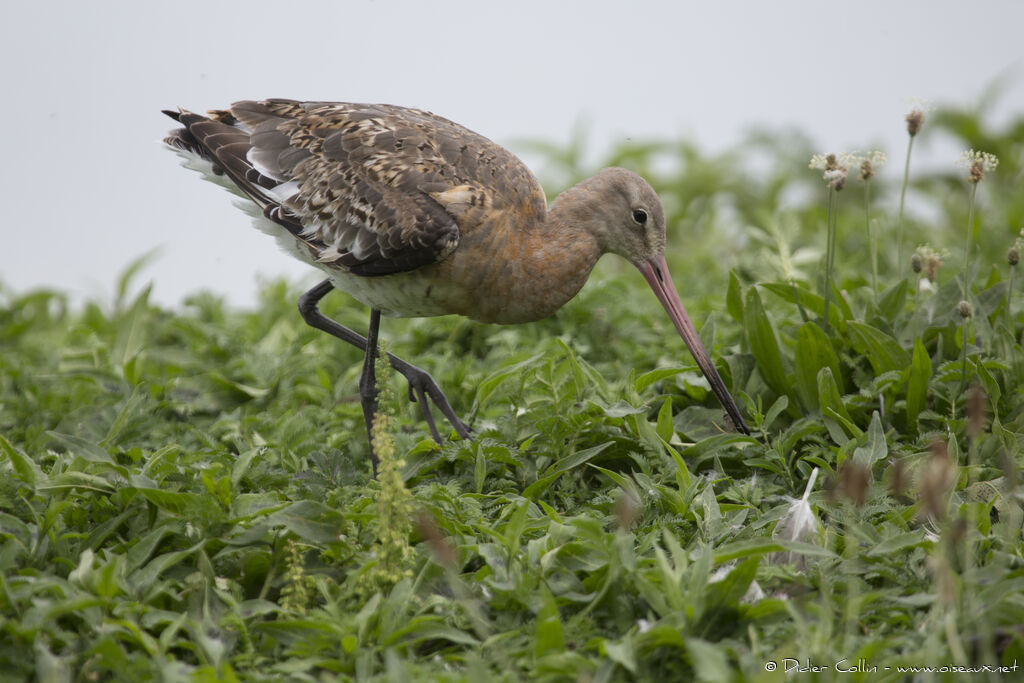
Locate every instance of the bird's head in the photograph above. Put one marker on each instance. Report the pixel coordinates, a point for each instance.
(626, 216)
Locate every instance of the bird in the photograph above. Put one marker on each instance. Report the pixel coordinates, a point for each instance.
(415, 215)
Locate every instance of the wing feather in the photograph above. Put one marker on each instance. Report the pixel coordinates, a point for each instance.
(372, 189)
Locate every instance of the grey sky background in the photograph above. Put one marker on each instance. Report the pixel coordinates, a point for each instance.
(88, 188)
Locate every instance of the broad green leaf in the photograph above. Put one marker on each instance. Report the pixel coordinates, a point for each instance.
(763, 343)
(142, 579)
(534, 490)
(665, 427)
(621, 652)
(549, 636)
(710, 446)
(542, 484)
(242, 463)
(26, 468)
(76, 480)
(312, 521)
(813, 352)
(891, 302)
(781, 403)
(882, 351)
(734, 298)
(174, 502)
(494, 380)
(729, 591)
(761, 546)
(648, 378)
(838, 313)
(578, 458)
(429, 627)
(479, 471)
(898, 543)
(876, 448)
(84, 449)
(917, 385)
(828, 393)
(710, 661)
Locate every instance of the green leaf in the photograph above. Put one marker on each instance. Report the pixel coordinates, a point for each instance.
(917, 385)
(549, 635)
(27, 469)
(781, 403)
(709, 660)
(876, 448)
(494, 380)
(828, 394)
(312, 521)
(534, 490)
(891, 302)
(813, 352)
(621, 652)
(648, 378)
(242, 463)
(710, 446)
(882, 351)
(480, 471)
(763, 343)
(578, 458)
(752, 547)
(143, 579)
(85, 449)
(838, 313)
(665, 428)
(734, 298)
(899, 542)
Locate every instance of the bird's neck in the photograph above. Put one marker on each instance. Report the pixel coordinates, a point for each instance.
(541, 268)
(556, 257)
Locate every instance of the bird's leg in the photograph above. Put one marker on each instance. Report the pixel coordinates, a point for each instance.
(421, 385)
(368, 382)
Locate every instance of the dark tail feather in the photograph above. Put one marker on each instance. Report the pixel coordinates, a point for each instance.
(181, 138)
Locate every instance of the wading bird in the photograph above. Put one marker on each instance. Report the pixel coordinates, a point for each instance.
(414, 215)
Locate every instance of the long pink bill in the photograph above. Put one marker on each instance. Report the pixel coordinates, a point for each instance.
(655, 271)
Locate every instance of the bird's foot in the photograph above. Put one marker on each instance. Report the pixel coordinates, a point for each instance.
(423, 389)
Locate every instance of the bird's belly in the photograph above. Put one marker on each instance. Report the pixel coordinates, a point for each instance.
(504, 291)
(402, 295)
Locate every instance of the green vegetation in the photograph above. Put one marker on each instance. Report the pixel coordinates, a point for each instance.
(185, 495)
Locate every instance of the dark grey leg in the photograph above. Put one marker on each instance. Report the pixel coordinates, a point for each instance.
(368, 382)
(421, 385)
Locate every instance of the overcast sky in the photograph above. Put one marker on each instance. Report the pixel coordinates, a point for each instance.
(88, 188)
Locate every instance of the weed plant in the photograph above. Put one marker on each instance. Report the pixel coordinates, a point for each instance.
(186, 495)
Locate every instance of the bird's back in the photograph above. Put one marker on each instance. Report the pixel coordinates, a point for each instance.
(364, 190)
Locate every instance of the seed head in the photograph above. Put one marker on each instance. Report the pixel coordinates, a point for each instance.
(977, 164)
(898, 478)
(914, 121)
(442, 549)
(853, 483)
(866, 162)
(916, 264)
(836, 178)
(937, 481)
(835, 168)
(932, 260)
(824, 162)
(1013, 253)
(976, 411)
(964, 309)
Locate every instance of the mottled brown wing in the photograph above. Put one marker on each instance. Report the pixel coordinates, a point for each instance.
(373, 189)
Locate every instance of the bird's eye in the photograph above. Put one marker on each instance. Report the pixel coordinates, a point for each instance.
(639, 216)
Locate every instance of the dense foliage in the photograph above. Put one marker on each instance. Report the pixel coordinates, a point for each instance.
(186, 494)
